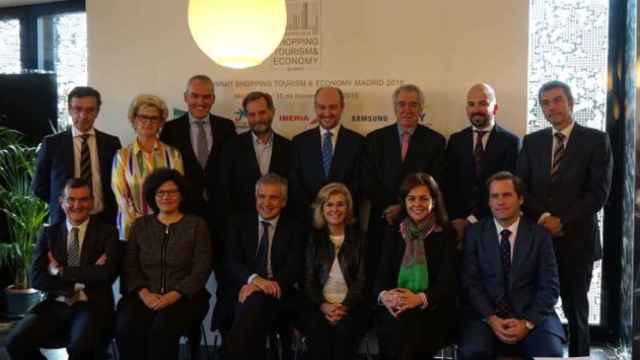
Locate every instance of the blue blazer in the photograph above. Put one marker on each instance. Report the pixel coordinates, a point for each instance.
(534, 286)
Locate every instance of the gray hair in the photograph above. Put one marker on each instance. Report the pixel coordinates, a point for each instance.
(202, 78)
(273, 179)
(408, 88)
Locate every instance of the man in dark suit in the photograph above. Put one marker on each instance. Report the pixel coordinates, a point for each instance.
(82, 152)
(74, 264)
(251, 155)
(567, 169)
(199, 136)
(474, 154)
(510, 278)
(328, 153)
(264, 260)
(393, 152)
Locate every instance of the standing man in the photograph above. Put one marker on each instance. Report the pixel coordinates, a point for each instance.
(567, 169)
(199, 136)
(264, 260)
(75, 263)
(81, 152)
(328, 153)
(474, 154)
(393, 152)
(510, 278)
(251, 155)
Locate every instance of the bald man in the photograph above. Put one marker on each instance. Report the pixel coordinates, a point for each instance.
(473, 155)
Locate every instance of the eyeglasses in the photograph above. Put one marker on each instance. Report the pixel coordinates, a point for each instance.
(147, 118)
(167, 193)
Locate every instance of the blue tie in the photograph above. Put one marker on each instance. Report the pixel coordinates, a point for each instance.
(263, 251)
(327, 153)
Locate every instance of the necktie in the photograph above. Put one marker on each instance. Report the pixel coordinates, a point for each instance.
(203, 147)
(405, 144)
(503, 305)
(558, 154)
(327, 153)
(263, 250)
(73, 252)
(85, 160)
(478, 152)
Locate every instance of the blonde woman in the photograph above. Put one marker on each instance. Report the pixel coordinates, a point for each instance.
(132, 164)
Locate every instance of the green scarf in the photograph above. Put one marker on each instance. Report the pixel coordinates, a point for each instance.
(414, 272)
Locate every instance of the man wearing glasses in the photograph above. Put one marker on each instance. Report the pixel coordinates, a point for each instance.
(81, 152)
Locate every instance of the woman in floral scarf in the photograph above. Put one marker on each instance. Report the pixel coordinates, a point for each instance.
(416, 281)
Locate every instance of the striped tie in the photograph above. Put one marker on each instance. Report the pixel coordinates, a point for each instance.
(73, 252)
(558, 154)
(85, 160)
(327, 153)
(478, 152)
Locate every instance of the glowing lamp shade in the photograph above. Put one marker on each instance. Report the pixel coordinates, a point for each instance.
(237, 33)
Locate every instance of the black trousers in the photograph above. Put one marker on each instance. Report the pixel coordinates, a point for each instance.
(575, 279)
(84, 329)
(339, 342)
(142, 333)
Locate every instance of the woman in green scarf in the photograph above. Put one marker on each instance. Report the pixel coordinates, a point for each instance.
(416, 281)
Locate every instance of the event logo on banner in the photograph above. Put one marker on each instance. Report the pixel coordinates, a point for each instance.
(300, 47)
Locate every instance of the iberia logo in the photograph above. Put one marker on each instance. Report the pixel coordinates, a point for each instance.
(293, 118)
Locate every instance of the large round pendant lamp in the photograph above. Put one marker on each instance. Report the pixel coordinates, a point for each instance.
(237, 33)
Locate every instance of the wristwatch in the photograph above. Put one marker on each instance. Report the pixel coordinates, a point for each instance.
(529, 325)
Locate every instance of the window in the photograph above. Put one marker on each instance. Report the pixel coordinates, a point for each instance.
(10, 60)
(568, 41)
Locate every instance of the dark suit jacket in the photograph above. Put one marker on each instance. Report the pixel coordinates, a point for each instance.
(307, 176)
(466, 193)
(384, 171)
(578, 194)
(534, 286)
(55, 165)
(177, 133)
(241, 242)
(440, 248)
(99, 239)
(239, 172)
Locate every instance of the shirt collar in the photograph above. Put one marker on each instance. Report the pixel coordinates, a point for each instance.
(487, 128)
(566, 131)
(136, 147)
(334, 131)
(257, 142)
(513, 227)
(273, 222)
(401, 130)
(75, 132)
(81, 228)
(193, 119)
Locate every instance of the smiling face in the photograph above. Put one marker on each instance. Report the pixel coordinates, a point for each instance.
(77, 204)
(269, 200)
(408, 109)
(418, 203)
(557, 108)
(147, 122)
(259, 116)
(504, 201)
(481, 106)
(168, 197)
(328, 108)
(334, 210)
(199, 98)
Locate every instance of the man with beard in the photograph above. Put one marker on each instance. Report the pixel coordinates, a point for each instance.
(473, 155)
(328, 153)
(251, 155)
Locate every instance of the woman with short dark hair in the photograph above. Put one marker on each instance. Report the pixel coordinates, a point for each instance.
(166, 266)
(416, 280)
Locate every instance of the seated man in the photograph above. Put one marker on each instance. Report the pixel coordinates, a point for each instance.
(510, 278)
(263, 260)
(74, 264)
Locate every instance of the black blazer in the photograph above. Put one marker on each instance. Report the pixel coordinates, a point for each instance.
(466, 194)
(177, 133)
(384, 171)
(440, 248)
(99, 239)
(534, 286)
(55, 165)
(307, 176)
(580, 191)
(319, 257)
(239, 172)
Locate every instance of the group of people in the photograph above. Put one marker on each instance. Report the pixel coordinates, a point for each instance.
(470, 241)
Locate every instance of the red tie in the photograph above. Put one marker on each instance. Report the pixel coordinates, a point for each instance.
(405, 144)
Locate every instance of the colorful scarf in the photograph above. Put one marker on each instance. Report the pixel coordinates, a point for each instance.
(414, 272)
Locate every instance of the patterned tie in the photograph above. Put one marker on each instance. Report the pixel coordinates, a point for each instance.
(85, 160)
(73, 252)
(406, 136)
(478, 152)
(327, 153)
(503, 306)
(262, 260)
(203, 147)
(558, 154)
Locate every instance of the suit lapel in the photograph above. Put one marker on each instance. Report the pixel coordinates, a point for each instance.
(522, 247)
(545, 153)
(184, 129)
(315, 155)
(68, 151)
(252, 239)
(87, 243)
(215, 135)
(276, 243)
(277, 156)
(492, 247)
(59, 246)
(492, 149)
(339, 154)
(572, 150)
(252, 162)
(392, 146)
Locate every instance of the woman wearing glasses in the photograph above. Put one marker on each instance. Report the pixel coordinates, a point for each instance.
(132, 164)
